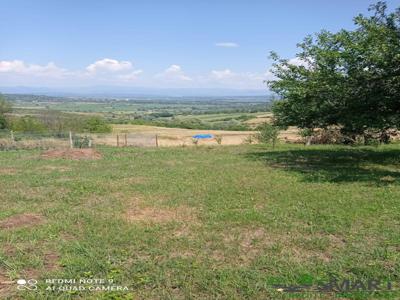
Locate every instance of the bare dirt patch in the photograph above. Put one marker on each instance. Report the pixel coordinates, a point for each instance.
(5, 284)
(22, 220)
(8, 171)
(51, 261)
(49, 169)
(9, 250)
(151, 214)
(75, 154)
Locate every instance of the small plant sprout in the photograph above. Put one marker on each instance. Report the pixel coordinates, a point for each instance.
(195, 141)
(218, 139)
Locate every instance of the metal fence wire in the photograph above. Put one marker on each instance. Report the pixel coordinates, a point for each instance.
(46, 140)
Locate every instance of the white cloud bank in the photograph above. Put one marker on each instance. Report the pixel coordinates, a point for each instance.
(20, 67)
(109, 65)
(107, 70)
(173, 73)
(229, 78)
(122, 72)
(227, 44)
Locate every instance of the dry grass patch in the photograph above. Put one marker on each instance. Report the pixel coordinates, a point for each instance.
(140, 212)
(8, 171)
(42, 192)
(249, 243)
(51, 261)
(160, 214)
(244, 245)
(74, 154)
(49, 169)
(9, 249)
(302, 248)
(22, 220)
(6, 285)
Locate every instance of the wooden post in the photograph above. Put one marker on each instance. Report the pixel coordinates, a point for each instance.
(71, 144)
(90, 143)
(117, 140)
(157, 140)
(126, 141)
(12, 136)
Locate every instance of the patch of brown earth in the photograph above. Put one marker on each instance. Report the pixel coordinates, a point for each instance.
(75, 154)
(8, 171)
(51, 261)
(6, 285)
(55, 168)
(65, 236)
(182, 254)
(9, 250)
(152, 214)
(22, 220)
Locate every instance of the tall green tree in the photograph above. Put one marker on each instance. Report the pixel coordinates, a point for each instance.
(350, 79)
(5, 107)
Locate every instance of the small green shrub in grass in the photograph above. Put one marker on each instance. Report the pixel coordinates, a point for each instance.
(267, 133)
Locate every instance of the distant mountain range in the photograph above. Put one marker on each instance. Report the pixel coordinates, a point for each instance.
(124, 92)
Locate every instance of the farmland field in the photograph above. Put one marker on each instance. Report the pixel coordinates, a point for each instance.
(204, 222)
(183, 137)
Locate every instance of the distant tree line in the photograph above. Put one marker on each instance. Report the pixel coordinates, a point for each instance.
(194, 123)
(348, 80)
(50, 121)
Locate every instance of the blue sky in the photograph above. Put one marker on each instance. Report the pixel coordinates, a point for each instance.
(202, 43)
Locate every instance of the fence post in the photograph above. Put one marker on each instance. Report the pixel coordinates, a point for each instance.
(12, 136)
(126, 141)
(157, 140)
(117, 140)
(71, 144)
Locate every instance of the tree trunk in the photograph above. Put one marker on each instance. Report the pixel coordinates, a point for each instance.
(309, 140)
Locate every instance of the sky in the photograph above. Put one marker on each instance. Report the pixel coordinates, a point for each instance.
(158, 44)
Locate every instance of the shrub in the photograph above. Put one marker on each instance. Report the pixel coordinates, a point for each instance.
(250, 139)
(97, 125)
(267, 133)
(28, 124)
(218, 139)
(81, 142)
(3, 122)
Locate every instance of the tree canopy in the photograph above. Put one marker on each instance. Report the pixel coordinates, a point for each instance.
(5, 107)
(349, 79)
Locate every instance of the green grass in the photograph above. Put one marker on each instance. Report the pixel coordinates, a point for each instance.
(228, 222)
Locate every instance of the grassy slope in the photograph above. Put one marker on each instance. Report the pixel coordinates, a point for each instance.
(246, 218)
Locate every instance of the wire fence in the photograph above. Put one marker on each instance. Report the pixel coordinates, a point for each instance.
(10, 140)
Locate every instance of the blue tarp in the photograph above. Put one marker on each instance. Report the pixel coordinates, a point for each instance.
(202, 136)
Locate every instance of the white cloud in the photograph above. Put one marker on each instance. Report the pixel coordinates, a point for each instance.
(12, 66)
(227, 44)
(223, 74)
(229, 78)
(297, 61)
(109, 65)
(130, 76)
(113, 71)
(173, 73)
(109, 71)
(20, 67)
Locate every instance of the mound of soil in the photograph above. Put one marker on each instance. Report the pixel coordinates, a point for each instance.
(72, 154)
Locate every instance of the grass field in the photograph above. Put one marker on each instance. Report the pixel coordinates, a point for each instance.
(206, 222)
